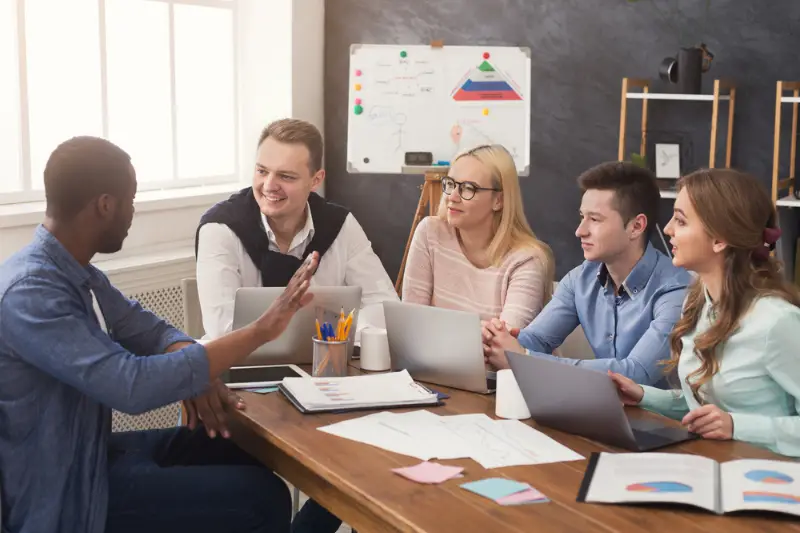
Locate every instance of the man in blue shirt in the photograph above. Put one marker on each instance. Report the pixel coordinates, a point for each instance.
(627, 295)
(72, 347)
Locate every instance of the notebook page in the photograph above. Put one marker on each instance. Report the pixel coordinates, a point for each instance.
(654, 477)
(756, 484)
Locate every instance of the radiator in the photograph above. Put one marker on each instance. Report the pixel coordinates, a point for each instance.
(167, 303)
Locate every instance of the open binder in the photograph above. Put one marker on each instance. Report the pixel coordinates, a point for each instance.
(674, 478)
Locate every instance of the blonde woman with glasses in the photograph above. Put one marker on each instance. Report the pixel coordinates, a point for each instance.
(479, 254)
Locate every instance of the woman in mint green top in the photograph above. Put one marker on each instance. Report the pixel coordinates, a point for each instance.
(735, 346)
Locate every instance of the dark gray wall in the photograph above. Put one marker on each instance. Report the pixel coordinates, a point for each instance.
(581, 49)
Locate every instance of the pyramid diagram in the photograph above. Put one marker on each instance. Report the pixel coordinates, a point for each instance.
(484, 83)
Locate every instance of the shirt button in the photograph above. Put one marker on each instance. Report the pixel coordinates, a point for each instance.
(610, 337)
(635, 291)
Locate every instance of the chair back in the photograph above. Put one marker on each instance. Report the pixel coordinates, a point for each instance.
(192, 315)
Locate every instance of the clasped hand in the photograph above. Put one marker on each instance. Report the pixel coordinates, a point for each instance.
(497, 338)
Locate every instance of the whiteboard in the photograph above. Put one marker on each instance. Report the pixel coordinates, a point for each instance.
(440, 100)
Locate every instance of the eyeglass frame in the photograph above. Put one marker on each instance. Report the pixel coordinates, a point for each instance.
(459, 185)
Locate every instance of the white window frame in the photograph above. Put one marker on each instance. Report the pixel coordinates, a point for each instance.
(27, 195)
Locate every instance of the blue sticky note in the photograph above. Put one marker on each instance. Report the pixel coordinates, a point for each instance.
(495, 487)
(263, 390)
(439, 395)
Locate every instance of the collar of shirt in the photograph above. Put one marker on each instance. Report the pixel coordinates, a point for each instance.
(708, 307)
(638, 277)
(302, 237)
(80, 275)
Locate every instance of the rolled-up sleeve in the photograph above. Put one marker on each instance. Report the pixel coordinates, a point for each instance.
(135, 328)
(48, 326)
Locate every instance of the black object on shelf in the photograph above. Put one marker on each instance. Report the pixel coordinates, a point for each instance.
(686, 72)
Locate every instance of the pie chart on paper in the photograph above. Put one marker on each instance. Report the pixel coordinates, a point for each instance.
(659, 486)
(772, 477)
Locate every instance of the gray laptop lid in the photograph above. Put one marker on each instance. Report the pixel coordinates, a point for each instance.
(572, 399)
(435, 345)
(294, 345)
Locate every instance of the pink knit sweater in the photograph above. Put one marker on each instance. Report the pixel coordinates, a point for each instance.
(439, 274)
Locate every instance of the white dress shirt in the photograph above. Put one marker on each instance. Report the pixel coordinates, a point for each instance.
(223, 266)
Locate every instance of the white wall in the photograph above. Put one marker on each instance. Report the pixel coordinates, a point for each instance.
(280, 73)
(308, 52)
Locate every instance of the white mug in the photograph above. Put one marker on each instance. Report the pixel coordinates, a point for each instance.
(375, 350)
(509, 402)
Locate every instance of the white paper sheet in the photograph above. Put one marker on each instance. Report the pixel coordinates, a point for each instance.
(655, 477)
(424, 435)
(752, 484)
(371, 430)
(501, 443)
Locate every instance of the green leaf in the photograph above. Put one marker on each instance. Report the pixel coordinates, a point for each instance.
(639, 160)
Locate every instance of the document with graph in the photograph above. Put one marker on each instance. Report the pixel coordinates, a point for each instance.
(393, 389)
(740, 485)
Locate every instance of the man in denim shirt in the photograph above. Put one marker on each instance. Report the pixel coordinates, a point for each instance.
(72, 347)
(627, 295)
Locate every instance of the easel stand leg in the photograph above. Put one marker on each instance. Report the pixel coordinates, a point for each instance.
(430, 196)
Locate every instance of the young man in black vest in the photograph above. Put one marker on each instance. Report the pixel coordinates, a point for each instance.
(262, 234)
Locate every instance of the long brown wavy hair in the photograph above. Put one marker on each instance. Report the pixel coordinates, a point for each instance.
(734, 208)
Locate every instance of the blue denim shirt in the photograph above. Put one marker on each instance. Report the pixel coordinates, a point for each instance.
(60, 375)
(628, 332)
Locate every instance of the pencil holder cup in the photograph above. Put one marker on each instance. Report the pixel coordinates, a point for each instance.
(330, 358)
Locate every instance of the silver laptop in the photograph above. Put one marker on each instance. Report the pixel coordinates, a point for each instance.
(438, 346)
(585, 402)
(294, 345)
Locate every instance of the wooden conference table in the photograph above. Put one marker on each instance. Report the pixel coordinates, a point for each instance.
(354, 480)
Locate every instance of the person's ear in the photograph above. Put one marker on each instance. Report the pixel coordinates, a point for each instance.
(106, 206)
(718, 246)
(497, 204)
(317, 179)
(637, 226)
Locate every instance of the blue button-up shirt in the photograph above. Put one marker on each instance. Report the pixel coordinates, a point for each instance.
(60, 375)
(628, 331)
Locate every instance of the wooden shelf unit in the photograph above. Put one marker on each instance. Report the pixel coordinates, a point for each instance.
(719, 95)
(788, 183)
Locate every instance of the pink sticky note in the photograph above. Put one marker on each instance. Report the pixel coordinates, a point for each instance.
(530, 495)
(431, 473)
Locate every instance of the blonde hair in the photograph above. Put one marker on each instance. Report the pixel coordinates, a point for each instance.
(510, 228)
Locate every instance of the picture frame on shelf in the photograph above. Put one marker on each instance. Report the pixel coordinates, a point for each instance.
(668, 161)
(686, 161)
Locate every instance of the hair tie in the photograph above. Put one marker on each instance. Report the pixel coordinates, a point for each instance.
(770, 237)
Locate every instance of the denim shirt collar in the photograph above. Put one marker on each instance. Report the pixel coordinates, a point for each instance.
(639, 276)
(62, 258)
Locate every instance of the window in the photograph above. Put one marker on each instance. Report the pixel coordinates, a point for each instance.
(156, 77)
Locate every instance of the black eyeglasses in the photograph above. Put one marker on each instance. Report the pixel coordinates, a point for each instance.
(466, 189)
